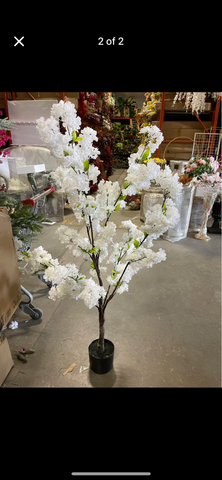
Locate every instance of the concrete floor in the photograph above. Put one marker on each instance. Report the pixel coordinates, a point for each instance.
(166, 329)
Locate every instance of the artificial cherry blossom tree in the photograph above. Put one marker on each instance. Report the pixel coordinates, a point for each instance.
(74, 151)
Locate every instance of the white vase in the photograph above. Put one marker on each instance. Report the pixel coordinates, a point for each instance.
(210, 194)
(183, 204)
(150, 197)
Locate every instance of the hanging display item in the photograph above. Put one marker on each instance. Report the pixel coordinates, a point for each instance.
(195, 100)
(119, 260)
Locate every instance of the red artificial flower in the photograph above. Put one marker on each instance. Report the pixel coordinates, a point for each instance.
(81, 105)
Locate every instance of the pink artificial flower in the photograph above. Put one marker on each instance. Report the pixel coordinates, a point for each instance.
(215, 166)
(193, 165)
(211, 178)
(3, 137)
(211, 159)
(5, 153)
(201, 160)
(1, 113)
(188, 169)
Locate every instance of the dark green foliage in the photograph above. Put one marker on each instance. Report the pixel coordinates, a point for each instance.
(25, 223)
(7, 201)
(127, 142)
(23, 218)
(121, 103)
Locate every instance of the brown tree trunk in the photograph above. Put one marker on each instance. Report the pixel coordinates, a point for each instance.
(100, 345)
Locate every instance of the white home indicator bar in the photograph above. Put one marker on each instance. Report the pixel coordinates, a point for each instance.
(111, 473)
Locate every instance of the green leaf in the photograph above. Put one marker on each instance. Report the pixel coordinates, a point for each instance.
(78, 139)
(117, 207)
(94, 249)
(66, 153)
(164, 209)
(130, 239)
(26, 254)
(92, 265)
(114, 273)
(74, 136)
(122, 197)
(86, 165)
(126, 184)
(145, 234)
(136, 243)
(146, 154)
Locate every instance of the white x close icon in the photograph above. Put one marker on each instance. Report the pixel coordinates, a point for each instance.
(19, 41)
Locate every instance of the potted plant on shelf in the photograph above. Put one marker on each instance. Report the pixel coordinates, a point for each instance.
(124, 258)
(121, 104)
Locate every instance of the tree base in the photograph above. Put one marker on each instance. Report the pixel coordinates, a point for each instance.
(101, 362)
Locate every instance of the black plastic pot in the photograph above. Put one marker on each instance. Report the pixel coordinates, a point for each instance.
(216, 214)
(101, 362)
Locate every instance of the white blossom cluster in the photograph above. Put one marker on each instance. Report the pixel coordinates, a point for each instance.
(153, 137)
(139, 175)
(38, 259)
(157, 221)
(125, 258)
(74, 149)
(66, 279)
(169, 183)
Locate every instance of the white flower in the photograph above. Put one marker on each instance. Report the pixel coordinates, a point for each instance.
(68, 114)
(140, 175)
(169, 182)
(57, 273)
(38, 258)
(74, 240)
(153, 137)
(91, 293)
(155, 220)
(93, 173)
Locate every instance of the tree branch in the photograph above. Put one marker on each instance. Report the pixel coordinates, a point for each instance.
(114, 206)
(114, 291)
(108, 289)
(95, 260)
(90, 222)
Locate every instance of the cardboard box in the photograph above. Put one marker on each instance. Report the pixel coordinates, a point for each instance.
(6, 362)
(10, 287)
(31, 168)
